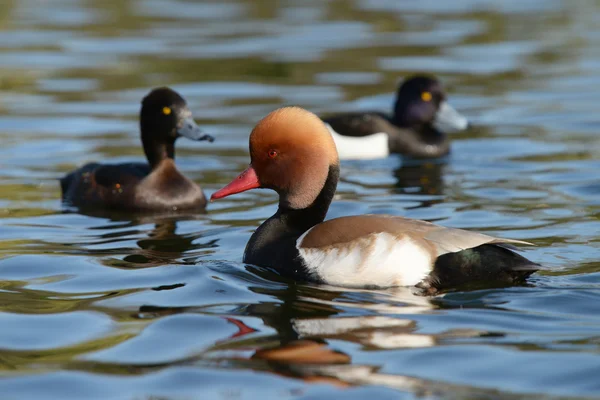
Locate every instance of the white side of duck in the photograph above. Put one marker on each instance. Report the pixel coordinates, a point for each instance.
(379, 259)
(361, 148)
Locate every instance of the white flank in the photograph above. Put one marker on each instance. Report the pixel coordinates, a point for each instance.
(379, 259)
(361, 148)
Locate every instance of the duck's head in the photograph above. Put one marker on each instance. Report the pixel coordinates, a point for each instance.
(291, 152)
(421, 101)
(164, 117)
(165, 114)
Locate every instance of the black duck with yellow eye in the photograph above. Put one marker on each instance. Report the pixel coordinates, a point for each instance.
(421, 119)
(156, 186)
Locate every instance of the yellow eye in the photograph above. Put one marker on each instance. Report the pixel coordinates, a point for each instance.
(426, 96)
(166, 110)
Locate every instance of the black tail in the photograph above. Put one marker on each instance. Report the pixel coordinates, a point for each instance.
(485, 266)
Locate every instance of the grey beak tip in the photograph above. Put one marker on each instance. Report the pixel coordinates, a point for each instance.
(207, 137)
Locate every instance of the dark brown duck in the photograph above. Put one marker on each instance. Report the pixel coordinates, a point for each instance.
(157, 185)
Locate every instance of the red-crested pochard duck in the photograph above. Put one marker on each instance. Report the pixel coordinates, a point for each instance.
(418, 126)
(293, 153)
(156, 186)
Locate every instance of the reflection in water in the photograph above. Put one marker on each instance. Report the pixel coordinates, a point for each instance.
(310, 355)
(165, 245)
(162, 244)
(161, 307)
(305, 318)
(304, 359)
(316, 362)
(421, 177)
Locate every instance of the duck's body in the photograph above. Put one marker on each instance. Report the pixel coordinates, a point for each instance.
(155, 186)
(293, 153)
(389, 250)
(418, 127)
(382, 251)
(372, 135)
(133, 186)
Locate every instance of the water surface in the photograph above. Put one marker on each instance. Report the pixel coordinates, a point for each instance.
(131, 307)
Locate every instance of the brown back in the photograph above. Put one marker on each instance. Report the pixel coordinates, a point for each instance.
(437, 239)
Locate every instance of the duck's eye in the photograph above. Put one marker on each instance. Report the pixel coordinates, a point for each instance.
(166, 110)
(272, 153)
(426, 96)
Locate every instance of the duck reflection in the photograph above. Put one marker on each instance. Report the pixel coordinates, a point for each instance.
(309, 317)
(415, 176)
(159, 245)
(314, 355)
(316, 362)
(320, 314)
(308, 360)
(305, 331)
(163, 244)
(303, 350)
(423, 179)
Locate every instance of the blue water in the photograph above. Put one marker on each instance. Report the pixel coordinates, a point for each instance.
(161, 307)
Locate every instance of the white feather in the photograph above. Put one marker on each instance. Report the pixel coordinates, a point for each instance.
(339, 326)
(364, 147)
(393, 340)
(379, 259)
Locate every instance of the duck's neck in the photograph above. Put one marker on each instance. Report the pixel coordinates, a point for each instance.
(273, 244)
(158, 150)
(304, 219)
